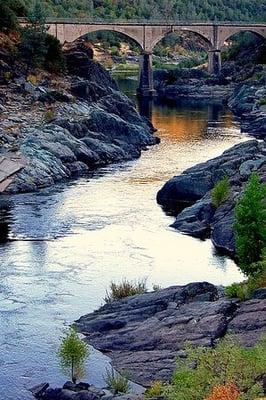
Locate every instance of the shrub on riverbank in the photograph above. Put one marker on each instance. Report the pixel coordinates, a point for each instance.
(124, 289)
(220, 192)
(250, 226)
(156, 390)
(244, 290)
(118, 382)
(227, 364)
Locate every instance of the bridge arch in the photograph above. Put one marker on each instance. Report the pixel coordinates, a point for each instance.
(227, 32)
(71, 32)
(179, 30)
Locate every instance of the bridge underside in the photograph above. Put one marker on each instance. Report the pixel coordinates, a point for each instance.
(147, 36)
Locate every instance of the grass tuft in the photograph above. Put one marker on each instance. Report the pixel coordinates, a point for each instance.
(117, 382)
(124, 289)
(220, 192)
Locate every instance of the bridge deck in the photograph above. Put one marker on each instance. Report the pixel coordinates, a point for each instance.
(77, 21)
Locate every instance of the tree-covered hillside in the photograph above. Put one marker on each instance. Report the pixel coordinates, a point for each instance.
(252, 10)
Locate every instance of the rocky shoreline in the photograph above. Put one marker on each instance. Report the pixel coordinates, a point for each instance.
(246, 98)
(144, 334)
(69, 126)
(192, 191)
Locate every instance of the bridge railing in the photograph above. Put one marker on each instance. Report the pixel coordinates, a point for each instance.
(94, 21)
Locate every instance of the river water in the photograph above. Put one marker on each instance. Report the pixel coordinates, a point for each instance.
(67, 243)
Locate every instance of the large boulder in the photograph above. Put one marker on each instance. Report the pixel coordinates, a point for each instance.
(192, 189)
(144, 334)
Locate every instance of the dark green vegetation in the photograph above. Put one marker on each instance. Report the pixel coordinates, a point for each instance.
(73, 353)
(34, 46)
(165, 9)
(250, 225)
(244, 290)
(228, 363)
(250, 229)
(244, 10)
(220, 192)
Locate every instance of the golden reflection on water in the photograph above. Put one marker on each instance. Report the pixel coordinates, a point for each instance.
(177, 127)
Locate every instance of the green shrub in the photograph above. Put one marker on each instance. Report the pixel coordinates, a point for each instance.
(72, 354)
(32, 48)
(49, 115)
(125, 289)
(156, 390)
(228, 362)
(8, 18)
(220, 192)
(237, 290)
(250, 226)
(54, 57)
(18, 6)
(245, 290)
(263, 101)
(118, 382)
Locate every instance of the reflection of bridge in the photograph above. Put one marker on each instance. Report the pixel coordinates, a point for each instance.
(148, 34)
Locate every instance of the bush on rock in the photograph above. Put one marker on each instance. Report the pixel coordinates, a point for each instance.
(220, 192)
(250, 226)
(216, 367)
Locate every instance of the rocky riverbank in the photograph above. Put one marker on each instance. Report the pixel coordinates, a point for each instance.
(241, 85)
(79, 391)
(192, 191)
(249, 102)
(66, 126)
(144, 334)
(193, 85)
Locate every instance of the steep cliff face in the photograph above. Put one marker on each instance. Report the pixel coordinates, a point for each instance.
(65, 126)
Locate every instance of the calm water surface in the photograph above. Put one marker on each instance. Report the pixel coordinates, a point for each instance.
(69, 241)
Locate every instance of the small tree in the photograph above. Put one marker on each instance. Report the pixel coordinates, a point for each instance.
(250, 224)
(72, 354)
(33, 47)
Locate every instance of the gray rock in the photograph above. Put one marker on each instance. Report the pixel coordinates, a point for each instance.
(144, 333)
(249, 322)
(39, 390)
(259, 293)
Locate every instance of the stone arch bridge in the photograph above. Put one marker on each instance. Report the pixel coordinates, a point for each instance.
(148, 34)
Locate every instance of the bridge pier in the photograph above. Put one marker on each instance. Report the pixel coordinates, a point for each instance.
(215, 61)
(146, 88)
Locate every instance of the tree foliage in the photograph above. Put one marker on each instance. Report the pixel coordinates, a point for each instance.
(164, 9)
(37, 47)
(73, 353)
(250, 225)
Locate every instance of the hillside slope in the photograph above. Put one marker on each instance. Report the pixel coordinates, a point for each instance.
(244, 10)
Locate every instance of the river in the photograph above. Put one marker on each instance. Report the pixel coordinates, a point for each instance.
(66, 243)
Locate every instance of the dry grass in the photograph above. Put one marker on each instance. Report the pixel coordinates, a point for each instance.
(117, 382)
(124, 289)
